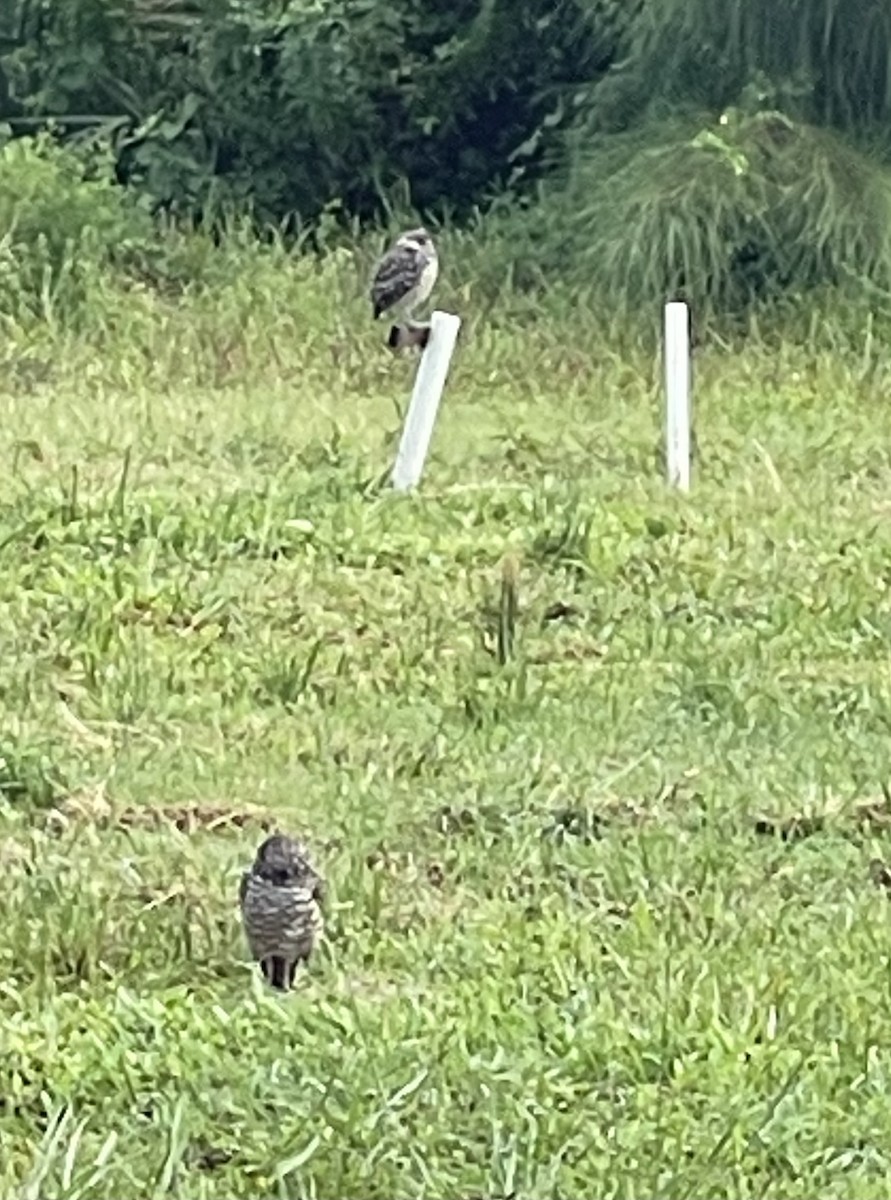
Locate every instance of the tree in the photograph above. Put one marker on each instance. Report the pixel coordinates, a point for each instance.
(291, 106)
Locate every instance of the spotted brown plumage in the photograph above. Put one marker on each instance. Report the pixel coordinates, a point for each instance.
(405, 276)
(281, 897)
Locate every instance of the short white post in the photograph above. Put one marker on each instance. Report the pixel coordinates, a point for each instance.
(426, 395)
(677, 393)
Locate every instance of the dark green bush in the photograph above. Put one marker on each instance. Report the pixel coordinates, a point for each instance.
(289, 107)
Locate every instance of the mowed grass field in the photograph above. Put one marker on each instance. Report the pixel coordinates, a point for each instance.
(602, 915)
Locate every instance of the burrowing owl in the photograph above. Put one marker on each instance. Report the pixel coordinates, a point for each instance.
(281, 897)
(404, 277)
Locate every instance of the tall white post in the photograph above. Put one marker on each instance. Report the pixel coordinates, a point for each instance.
(426, 395)
(677, 393)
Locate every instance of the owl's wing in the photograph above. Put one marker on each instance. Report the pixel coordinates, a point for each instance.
(397, 273)
(243, 887)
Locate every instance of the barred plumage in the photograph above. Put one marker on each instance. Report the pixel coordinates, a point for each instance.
(405, 276)
(281, 899)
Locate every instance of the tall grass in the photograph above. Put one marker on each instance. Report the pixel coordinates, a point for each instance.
(823, 61)
(596, 773)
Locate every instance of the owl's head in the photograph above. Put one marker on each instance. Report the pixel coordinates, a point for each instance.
(282, 861)
(416, 239)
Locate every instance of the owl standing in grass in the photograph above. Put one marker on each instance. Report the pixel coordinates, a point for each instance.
(281, 897)
(404, 277)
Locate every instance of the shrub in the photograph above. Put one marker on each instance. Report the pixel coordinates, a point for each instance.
(720, 211)
(61, 217)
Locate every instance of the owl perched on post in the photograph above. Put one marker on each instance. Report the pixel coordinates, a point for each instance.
(405, 276)
(281, 897)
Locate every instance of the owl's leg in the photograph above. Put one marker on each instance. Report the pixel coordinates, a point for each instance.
(275, 971)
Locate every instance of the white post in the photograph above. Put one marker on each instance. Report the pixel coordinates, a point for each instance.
(426, 395)
(677, 393)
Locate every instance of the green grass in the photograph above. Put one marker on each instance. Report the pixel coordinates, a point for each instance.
(562, 962)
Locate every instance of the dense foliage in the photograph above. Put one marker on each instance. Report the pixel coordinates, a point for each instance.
(294, 105)
(824, 61)
(725, 150)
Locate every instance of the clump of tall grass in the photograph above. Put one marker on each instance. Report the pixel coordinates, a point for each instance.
(723, 212)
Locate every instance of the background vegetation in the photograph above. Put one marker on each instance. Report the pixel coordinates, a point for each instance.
(608, 877)
(723, 151)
